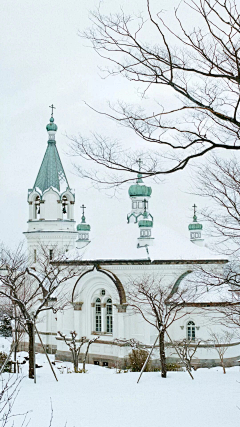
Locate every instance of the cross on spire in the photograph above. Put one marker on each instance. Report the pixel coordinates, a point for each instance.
(139, 161)
(53, 108)
(194, 209)
(83, 207)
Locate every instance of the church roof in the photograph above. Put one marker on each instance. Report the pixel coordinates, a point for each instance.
(51, 172)
(120, 243)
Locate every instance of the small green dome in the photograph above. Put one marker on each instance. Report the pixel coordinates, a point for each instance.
(139, 190)
(83, 227)
(145, 223)
(195, 226)
(51, 126)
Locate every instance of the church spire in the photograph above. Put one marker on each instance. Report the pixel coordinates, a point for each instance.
(195, 229)
(83, 231)
(51, 172)
(51, 202)
(139, 195)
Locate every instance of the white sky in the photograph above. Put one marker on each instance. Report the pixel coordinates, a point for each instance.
(43, 61)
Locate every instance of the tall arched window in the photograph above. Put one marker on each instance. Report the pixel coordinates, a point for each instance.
(191, 331)
(98, 315)
(37, 208)
(109, 316)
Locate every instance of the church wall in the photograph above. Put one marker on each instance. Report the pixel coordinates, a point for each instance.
(51, 205)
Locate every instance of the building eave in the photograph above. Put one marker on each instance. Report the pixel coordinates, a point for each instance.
(140, 262)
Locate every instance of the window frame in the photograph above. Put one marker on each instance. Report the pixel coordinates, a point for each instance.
(191, 330)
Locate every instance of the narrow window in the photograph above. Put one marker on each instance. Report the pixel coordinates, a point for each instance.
(109, 316)
(64, 207)
(98, 315)
(50, 254)
(191, 331)
(35, 255)
(134, 205)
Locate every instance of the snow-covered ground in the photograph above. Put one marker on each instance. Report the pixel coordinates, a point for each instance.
(101, 398)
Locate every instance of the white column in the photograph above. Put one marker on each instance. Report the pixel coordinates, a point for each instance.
(42, 209)
(104, 320)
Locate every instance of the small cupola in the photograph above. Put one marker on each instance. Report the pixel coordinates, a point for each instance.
(195, 229)
(139, 195)
(83, 230)
(145, 226)
(51, 127)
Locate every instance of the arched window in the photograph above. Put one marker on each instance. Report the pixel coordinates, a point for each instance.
(98, 315)
(191, 331)
(65, 207)
(109, 317)
(37, 208)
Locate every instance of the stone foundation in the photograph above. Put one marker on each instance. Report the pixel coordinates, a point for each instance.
(116, 362)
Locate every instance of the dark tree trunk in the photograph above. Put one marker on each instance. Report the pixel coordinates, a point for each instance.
(162, 354)
(85, 357)
(30, 327)
(75, 361)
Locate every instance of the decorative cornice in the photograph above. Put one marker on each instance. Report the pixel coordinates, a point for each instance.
(77, 306)
(121, 308)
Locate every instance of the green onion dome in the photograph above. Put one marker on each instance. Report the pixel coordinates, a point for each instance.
(195, 226)
(51, 126)
(83, 227)
(139, 190)
(145, 223)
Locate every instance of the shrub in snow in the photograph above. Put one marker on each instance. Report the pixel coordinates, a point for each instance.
(137, 358)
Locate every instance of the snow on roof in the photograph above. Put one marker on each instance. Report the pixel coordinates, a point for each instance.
(120, 243)
(208, 287)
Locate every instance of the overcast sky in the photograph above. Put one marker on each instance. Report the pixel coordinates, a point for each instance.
(44, 61)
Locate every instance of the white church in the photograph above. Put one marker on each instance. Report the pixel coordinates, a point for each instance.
(108, 262)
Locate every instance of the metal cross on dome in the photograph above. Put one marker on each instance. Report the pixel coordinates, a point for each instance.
(194, 209)
(83, 207)
(53, 108)
(139, 161)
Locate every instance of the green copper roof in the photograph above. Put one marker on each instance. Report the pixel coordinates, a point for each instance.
(140, 190)
(83, 227)
(51, 172)
(139, 178)
(195, 226)
(51, 125)
(145, 223)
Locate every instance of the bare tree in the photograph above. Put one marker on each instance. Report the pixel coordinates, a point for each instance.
(221, 343)
(201, 66)
(160, 305)
(186, 349)
(74, 344)
(8, 395)
(219, 182)
(34, 291)
(89, 342)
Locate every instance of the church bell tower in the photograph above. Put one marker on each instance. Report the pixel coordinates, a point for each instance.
(51, 203)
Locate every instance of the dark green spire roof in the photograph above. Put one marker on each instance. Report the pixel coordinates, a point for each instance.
(51, 172)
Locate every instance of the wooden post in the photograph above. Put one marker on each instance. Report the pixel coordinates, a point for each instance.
(40, 339)
(34, 354)
(147, 359)
(180, 356)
